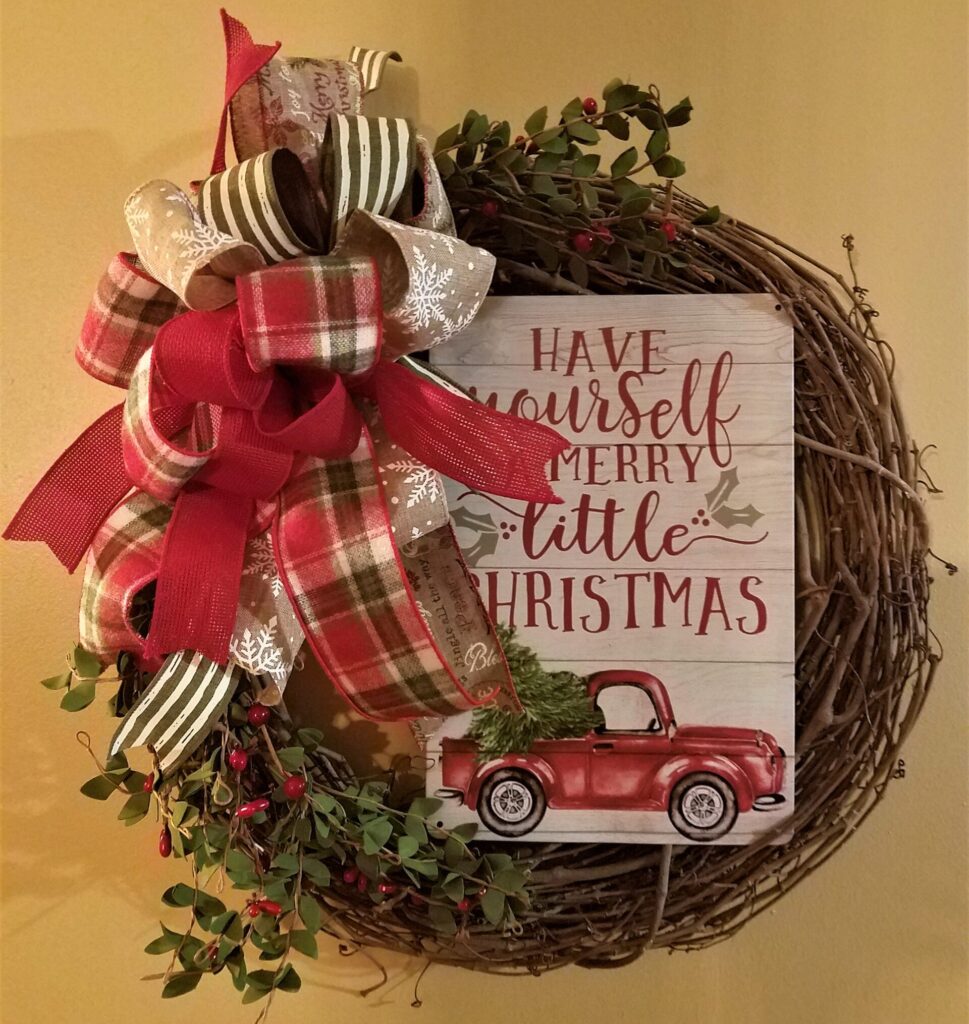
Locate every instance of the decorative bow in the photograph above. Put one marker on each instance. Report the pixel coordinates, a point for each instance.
(271, 401)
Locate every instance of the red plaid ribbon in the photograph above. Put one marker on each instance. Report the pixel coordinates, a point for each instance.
(335, 547)
(254, 413)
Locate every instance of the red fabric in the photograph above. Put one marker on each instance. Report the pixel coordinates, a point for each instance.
(243, 59)
(313, 312)
(72, 499)
(197, 590)
(199, 367)
(474, 444)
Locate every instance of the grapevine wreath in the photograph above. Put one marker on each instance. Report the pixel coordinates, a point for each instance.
(278, 840)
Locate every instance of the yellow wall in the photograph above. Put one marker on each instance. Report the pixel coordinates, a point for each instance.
(813, 119)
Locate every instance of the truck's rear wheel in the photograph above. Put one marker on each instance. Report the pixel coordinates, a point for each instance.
(511, 802)
(703, 807)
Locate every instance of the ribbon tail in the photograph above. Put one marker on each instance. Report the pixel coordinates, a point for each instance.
(472, 443)
(189, 690)
(199, 577)
(74, 497)
(243, 58)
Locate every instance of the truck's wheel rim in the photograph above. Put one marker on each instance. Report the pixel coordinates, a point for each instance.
(511, 801)
(702, 806)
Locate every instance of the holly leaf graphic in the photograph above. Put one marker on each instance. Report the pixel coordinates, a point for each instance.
(725, 486)
(728, 517)
(723, 513)
(486, 541)
(470, 521)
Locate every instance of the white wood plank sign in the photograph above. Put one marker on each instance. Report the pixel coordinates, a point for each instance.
(665, 577)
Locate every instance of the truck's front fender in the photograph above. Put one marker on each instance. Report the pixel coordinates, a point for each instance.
(689, 764)
(537, 766)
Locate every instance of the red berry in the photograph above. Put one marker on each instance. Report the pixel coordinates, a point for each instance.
(149, 784)
(519, 139)
(253, 910)
(270, 907)
(490, 209)
(262, 804)
(582, 241)
(294, 787)
(238, 759)
(258, 714)
(604, 234)
(165, 843)
(387, 888)
(464, 905)
(590, 106)
(669, 229)
(245, 811)
(362, 883)
(350, 875)
(415, 898)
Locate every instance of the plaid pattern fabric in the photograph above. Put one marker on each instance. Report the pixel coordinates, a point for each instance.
(153, 462)
(177, 711)
(317, 311)
(340, 563)
(122, 559)
(122, 320)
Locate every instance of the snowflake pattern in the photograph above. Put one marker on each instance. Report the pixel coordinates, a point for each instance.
(261, 562)
(427, 293)
(260, 652)
(425, 484)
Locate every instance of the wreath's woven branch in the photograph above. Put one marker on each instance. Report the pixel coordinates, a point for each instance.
(866, 657)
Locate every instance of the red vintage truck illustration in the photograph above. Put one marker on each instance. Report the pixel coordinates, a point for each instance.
(703, 776)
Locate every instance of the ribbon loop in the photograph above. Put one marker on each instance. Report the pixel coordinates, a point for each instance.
(275, 400)
(371, 64)
(431, 285)
(322, 313)
(122, 320)
(267, 201)
(195, 261)
(368, 163)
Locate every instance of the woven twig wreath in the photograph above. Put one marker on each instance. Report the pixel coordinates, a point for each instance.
(865, 654)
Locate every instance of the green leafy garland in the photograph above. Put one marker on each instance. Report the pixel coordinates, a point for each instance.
(264, 812)
(545, 198)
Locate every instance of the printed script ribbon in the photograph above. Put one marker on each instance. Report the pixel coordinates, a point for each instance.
(264, 340)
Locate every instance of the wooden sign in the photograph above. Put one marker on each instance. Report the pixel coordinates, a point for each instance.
(666, 576)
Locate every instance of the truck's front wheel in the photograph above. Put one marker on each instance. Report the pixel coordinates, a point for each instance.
(703, 807)
(511, 802)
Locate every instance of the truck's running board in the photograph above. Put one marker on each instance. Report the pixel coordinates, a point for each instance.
(770, 802)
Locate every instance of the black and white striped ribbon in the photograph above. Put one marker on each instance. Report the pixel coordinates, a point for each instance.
(369, 164)
(371, 64)
(179, 708)
(266, 200)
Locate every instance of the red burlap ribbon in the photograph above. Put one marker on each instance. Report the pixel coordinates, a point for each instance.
(286, 408)
(320, 318)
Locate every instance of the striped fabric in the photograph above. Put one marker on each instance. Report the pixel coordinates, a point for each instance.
(371, 64)
(178, 710)
(250, 201)
(122, 320)
(369, 164)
